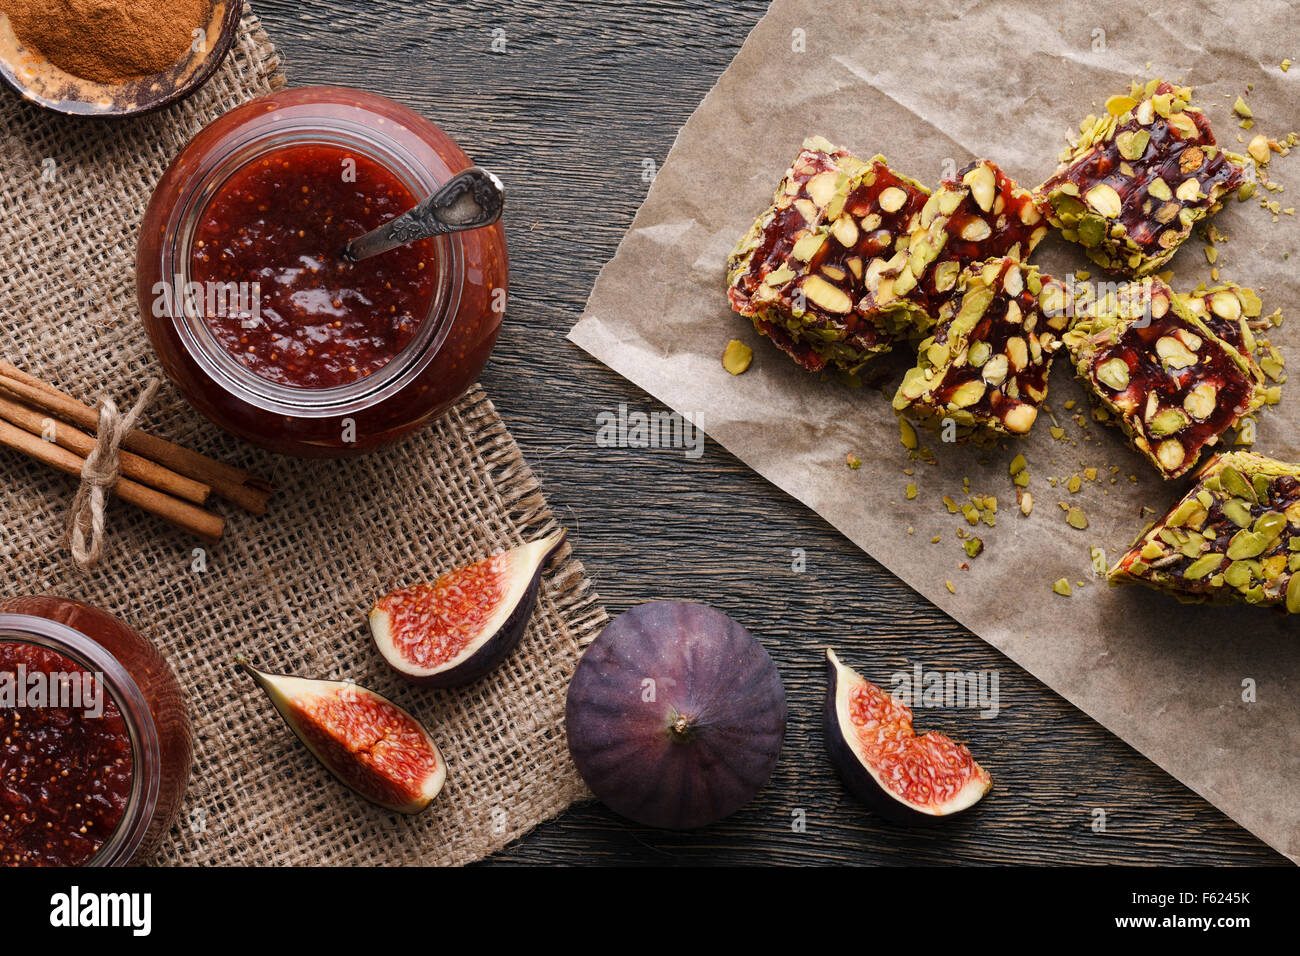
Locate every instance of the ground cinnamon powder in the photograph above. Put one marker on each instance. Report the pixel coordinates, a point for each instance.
(108, 41)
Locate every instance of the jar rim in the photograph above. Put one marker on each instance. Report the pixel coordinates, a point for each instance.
(294, 126)
(146, 751)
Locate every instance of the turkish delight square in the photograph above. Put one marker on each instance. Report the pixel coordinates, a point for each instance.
(816, 273)
(1172, 385)
(985, 365)
(1139, 178)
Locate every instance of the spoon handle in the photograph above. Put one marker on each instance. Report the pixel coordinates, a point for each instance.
(471, 199)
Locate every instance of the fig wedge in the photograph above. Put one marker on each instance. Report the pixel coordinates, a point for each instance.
(455, 630)
(373, 746)
(905, 778)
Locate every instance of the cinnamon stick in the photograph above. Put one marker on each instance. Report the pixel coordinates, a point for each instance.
(238, 487)
(132, 466)
(202, 524)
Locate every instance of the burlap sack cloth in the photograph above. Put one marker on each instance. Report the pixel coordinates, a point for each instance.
(289, 590)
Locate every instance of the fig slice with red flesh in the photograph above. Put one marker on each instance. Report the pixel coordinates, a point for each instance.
(905, 778)
(373, 746)
(455, 630)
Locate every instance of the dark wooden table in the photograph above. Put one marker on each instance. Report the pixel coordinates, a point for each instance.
(582, 96)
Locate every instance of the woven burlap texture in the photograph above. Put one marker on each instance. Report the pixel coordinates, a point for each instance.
(289, 590)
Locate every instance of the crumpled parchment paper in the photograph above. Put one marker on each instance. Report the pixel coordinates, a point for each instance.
(1210, 694)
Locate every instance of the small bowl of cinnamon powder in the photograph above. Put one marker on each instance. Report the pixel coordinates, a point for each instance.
(113, 57)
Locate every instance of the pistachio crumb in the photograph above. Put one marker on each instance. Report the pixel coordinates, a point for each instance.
(1258, 149)
(951, 589)
(910, 491)
(907, 434)
(1076, 518)
(853, 461)
(1062, 587)
(737, 356)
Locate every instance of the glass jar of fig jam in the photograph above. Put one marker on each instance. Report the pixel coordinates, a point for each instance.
(95, 741)
(261, 321)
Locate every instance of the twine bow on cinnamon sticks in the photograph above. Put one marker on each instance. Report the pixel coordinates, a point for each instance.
(85, 534)
(159, 477)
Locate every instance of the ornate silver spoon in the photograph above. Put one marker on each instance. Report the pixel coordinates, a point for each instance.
(471, 199)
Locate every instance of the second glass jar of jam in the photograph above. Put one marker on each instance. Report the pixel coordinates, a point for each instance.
(258, 317)
(95, 739)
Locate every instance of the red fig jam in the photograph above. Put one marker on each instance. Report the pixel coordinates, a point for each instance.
(95, 742)
(282, 222)
(65, 759)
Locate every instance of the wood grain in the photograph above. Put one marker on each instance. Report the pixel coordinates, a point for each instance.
(583, 96)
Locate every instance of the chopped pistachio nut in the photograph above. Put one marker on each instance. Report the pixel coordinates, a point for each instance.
(737, 356)
(949, 586)
(907, 434)
(1062, 587)
(853, 461)
(973, 546)
(1026, 503)
(1235, 536)
(910, 491)
(1258, 149)
(1076, 518)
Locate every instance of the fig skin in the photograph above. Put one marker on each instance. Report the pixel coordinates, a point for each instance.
(708, 742)
(279, 687)
(484, 655)
(858, 779)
